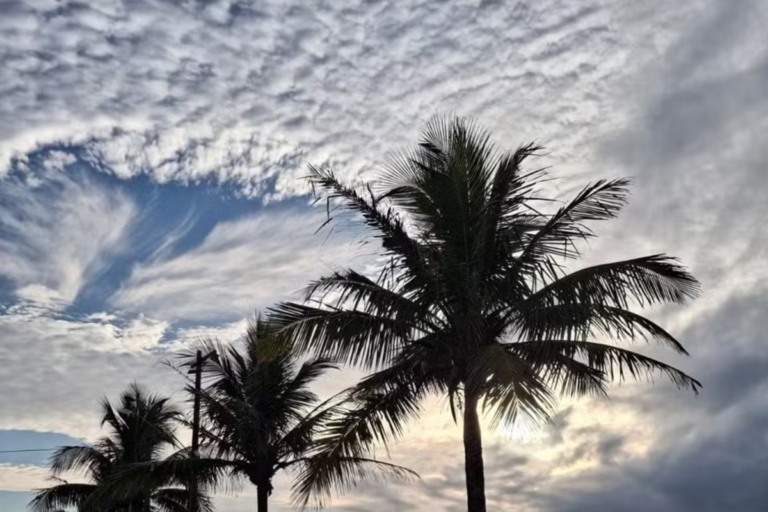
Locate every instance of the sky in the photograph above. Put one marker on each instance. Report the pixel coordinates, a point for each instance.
(151, 156)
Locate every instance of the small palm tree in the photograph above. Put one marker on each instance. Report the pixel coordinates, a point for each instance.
(476, 302)
(140, 428)
(259, 418)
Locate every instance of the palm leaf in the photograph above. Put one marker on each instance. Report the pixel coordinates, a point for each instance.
(599, 201)
(339, 457)
(175, 500)
(614, 362)
(510, 387)
(583, 321)
(84, 458)
(61, 496)
(318, 476)
(647, 280)
(348, 336)
(353, 290)
(388, 226)
(145, 478)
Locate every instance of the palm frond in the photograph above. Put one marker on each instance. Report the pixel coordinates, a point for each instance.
(319, 476)
(388, 226)
(296, 395)
(340, 456)
(601, 200)
(584, 321)
(509, 387)
(176, 499)
(342, 335)
(647, 280)
(611, 361)
(145, 478)
(369, 416)
(510, 190)
(61, 496)
(87, 459)
(352, 290)
(299, 439)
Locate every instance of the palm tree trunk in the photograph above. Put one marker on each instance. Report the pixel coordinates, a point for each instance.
(262, 495)
(473, 455)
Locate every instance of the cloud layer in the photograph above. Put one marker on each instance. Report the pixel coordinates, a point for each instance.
(234, 91)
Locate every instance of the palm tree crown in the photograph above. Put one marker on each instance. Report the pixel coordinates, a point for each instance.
(475, 302)
(255, 404)
(259, 418)
(140, 428)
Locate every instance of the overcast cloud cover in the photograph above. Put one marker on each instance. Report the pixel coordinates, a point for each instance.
(150, 156)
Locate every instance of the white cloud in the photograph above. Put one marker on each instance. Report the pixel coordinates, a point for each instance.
(250, 94)
(55, 369)
(55, 236)
(241, 265)
(23, 478)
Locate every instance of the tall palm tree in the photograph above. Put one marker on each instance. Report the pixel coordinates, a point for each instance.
(476, 301)
(259, 417)
(140, 428)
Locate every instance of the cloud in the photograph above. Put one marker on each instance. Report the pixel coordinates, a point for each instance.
(706, 454)
(241, 265)
(56, 369)
(234, 92)
(694, 123)
(59, 231)
(22, 478)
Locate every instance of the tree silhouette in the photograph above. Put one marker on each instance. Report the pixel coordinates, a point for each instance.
(260, 417)
(140, 428)
(476, 301)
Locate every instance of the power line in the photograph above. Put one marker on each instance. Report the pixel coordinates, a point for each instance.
(30, 450)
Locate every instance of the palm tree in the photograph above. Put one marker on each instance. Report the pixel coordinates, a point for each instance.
(476, 301)
(140, 428)
(259, 418)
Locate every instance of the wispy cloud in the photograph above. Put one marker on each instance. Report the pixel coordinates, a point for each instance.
(58, 231)
(241, 265)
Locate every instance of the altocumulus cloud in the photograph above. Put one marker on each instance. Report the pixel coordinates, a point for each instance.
(249, 92)
(245, 94)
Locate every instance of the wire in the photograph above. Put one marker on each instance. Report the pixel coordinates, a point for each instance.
(29, 450)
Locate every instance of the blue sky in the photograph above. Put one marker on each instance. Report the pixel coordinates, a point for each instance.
(151, 156)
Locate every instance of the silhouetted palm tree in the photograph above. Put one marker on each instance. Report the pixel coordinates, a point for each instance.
(475, 302)
(259, 418)
(140, 428)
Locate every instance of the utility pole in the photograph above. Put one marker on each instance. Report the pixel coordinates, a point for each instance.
(197, 369)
